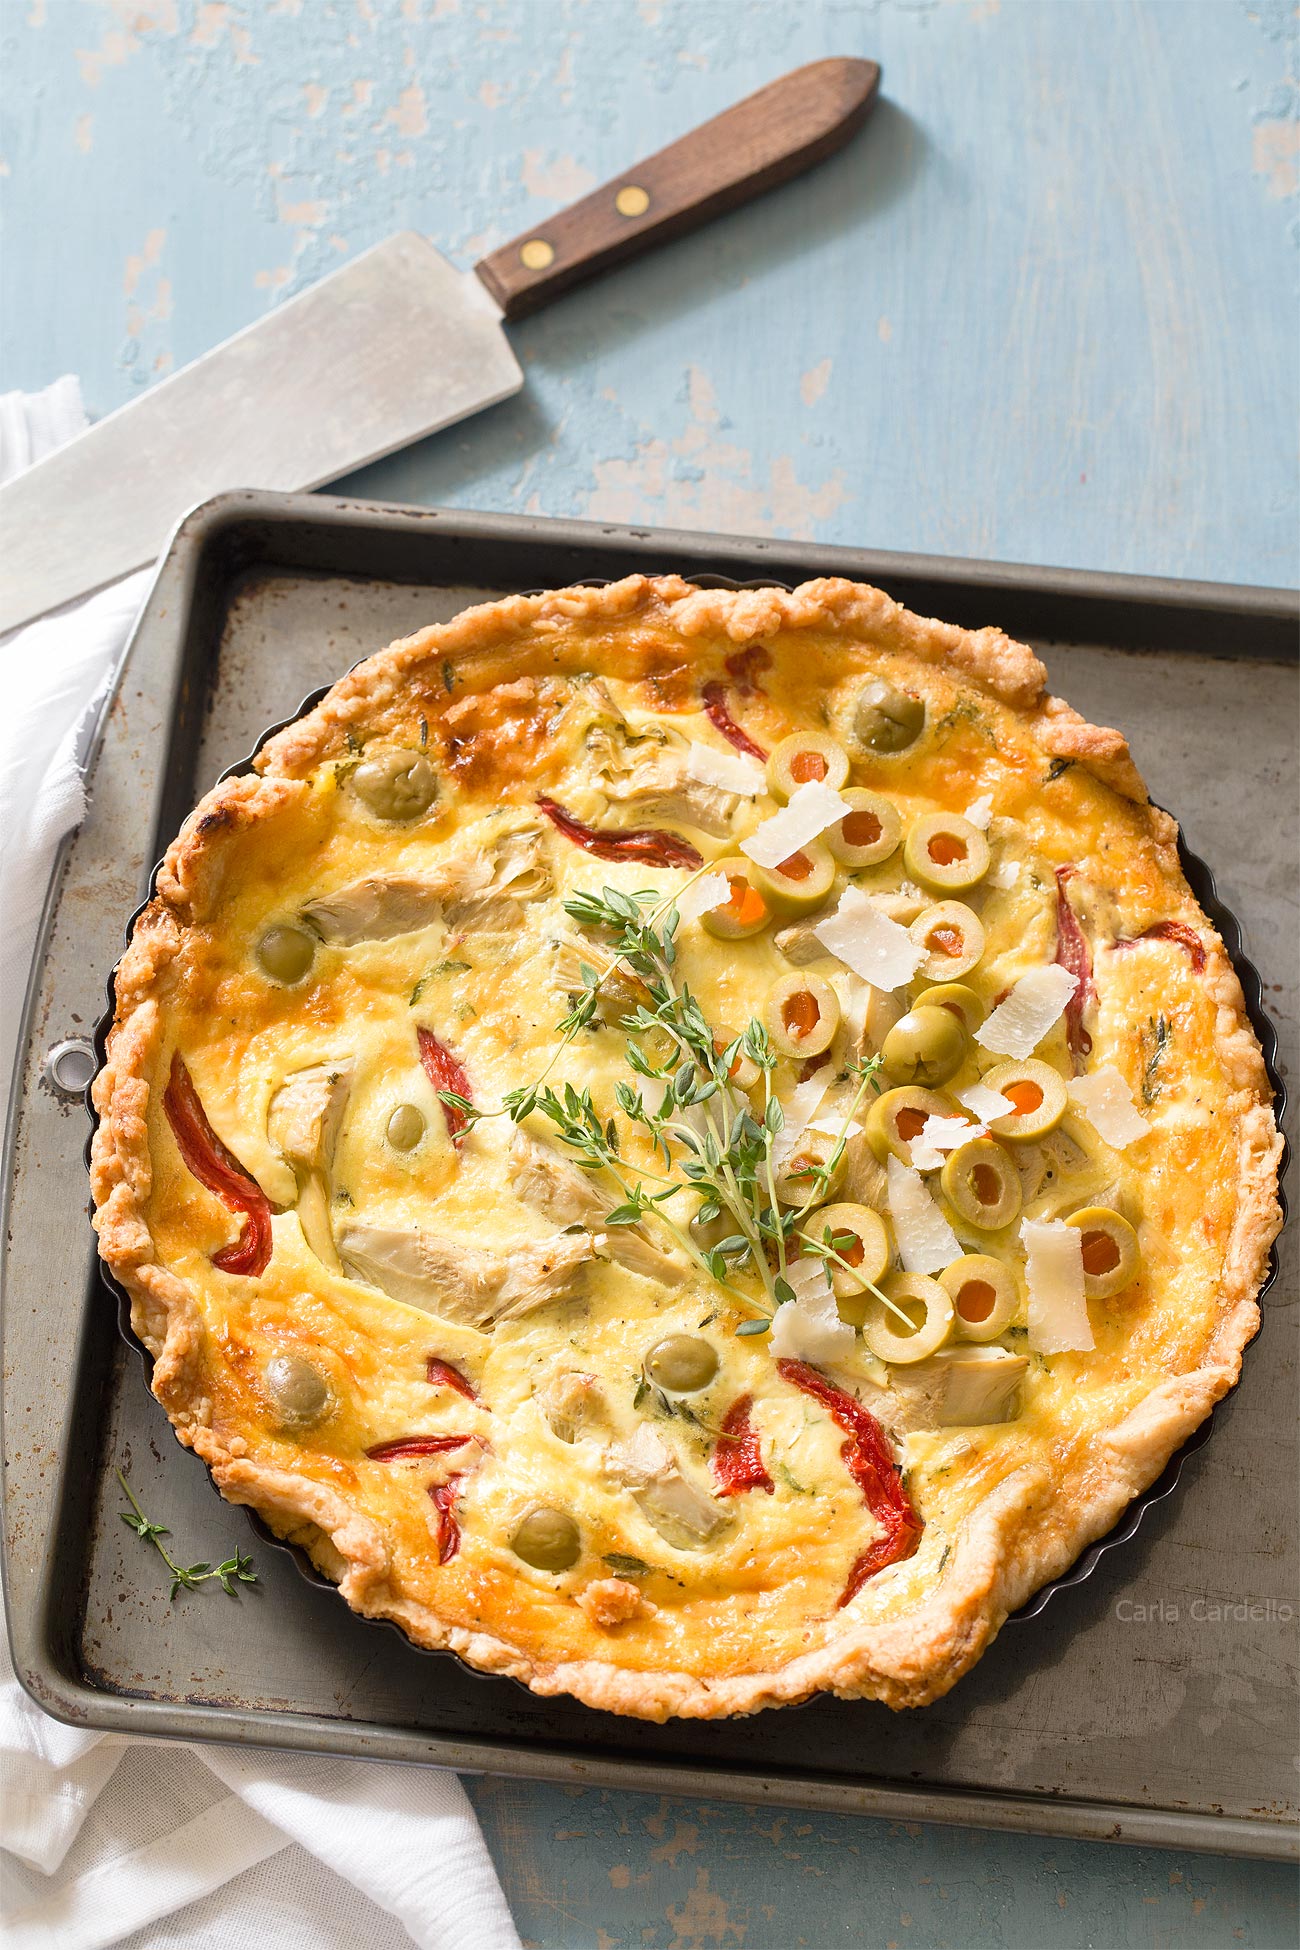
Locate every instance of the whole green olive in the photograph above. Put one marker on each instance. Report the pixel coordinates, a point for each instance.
(547, 1539)
(399, 784)
(405, 1127)
(286, 953)
(299, 1391)
(682, 1364)
(886, 719)
(925, 1046)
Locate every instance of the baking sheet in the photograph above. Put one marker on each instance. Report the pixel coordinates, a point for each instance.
(1154, 1703)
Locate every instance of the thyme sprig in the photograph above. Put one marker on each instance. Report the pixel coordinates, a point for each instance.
(236, 1569)
(705, 1136)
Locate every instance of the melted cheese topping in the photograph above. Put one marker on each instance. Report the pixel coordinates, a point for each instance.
(768, 1584)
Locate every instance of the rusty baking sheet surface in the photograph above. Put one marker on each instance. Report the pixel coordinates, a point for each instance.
(1154, 1703)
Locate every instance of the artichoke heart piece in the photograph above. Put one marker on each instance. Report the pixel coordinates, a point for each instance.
(962, 1387)
(980, 1385)
(645, 772)
(376, 908)
(684, 1516)
(482, 891)
(464, 1284)
(303, 1122)
(573, 1404)
(540, 1177)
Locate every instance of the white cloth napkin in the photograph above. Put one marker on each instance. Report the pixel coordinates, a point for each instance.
(106, 1840)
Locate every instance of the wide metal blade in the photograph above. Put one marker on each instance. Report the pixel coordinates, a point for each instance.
(387, 349)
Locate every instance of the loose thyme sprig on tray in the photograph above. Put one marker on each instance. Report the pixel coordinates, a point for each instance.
(703, 1130)
(184, 1577)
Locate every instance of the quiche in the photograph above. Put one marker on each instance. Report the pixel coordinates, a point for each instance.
(692, 1147)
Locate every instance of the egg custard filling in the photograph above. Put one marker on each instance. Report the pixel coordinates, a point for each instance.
(692, 1147)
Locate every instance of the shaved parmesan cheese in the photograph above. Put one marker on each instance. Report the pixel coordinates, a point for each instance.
(940, 1134)
(926, 1241)
(1058, 1311)
(808, 1328)
(1018, 1025)
(798, 1109)
(731, 771)
(980, 812)
(1103, 1097)
(985, 1104)
(812, 808)
(714, 890)
(1005, 874)
(869, 943)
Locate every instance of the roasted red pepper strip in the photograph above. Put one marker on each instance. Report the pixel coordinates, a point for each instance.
(444, 1502)
(868, 1461)
(1176, 931)
(1074, 955)
(648, 844)
(213, 1166)
(445, 1072)
(416, 1445)
(745, 665)
(737, 1462)
(715, 709)
(441, 1374)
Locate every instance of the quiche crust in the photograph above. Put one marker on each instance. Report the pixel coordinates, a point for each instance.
(482, 685)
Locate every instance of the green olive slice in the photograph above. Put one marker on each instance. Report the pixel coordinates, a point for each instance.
(955, 996)
(397, 784)
(795, 1184)
(952, 938)
(801, 1013)
(1039, 1096)
(745, 912)
(946, 853)
(925, 1046)
(985, 1296)
(805, 758)
(681, 1364)
(898, 1116)
(915, 1299)
(286, 954)
(867, 835)
(298, 1390)
(982, 1185)
(546, 1538)
(860, 1236)
(1112, 1258)
(887, 721)
(405, 1127)
(800, 883)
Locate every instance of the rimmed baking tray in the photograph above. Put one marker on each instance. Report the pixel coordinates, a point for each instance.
(1153, 1703)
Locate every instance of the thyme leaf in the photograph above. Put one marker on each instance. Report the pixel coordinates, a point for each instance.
(1155, 1046)
(184, 1577)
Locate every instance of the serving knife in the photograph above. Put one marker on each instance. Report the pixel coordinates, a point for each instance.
(388, 349)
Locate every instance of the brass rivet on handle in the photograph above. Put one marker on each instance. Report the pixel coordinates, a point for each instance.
(632, 200)
(536, 254)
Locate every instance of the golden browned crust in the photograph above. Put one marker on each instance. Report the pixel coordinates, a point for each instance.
(1028, 1529)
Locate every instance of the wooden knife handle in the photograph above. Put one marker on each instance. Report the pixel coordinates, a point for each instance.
(762, 141)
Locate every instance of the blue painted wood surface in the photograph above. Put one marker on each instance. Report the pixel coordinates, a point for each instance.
(1043, 310)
